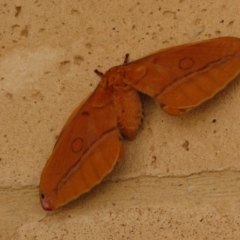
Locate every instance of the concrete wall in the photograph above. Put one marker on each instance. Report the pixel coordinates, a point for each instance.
(178, 180)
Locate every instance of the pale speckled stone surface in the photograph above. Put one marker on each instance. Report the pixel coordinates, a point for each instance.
(178, 180)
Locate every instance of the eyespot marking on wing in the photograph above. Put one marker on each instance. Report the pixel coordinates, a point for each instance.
(186, 63)
(77, 145)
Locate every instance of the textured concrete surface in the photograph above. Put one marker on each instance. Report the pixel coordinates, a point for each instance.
(178, 180)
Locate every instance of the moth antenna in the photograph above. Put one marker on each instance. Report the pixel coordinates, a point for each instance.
(100, 74)
(126, 59)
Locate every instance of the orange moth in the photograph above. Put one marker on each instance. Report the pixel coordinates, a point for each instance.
(89, 145)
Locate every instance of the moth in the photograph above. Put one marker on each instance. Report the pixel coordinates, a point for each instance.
(89, 145)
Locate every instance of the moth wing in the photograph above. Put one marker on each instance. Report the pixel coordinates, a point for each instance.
(86, 151)
(183, 77)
